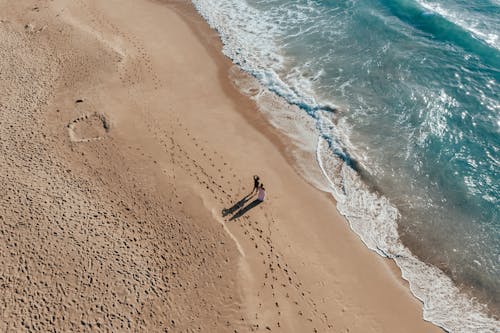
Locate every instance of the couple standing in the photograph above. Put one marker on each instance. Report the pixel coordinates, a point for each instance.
(238, 207)
(258, 187)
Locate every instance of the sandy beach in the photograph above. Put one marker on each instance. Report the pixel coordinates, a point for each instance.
(123, 141)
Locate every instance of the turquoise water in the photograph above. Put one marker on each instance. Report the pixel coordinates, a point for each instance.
(405, 95)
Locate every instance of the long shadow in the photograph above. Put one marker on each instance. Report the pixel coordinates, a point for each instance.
(236, 206)
(243, 210)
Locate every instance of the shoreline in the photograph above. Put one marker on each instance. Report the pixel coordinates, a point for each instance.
(477, 302)
(143, 182)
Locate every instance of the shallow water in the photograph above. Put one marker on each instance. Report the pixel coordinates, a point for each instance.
(404, 96)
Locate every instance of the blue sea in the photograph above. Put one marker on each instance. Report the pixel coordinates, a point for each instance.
(401, 101)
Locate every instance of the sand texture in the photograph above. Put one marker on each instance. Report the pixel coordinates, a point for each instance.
(126, 155)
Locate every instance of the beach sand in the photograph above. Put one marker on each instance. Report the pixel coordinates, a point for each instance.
(123, 141)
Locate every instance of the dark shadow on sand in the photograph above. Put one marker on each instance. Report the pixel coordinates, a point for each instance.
(243, 210)
(236, 206)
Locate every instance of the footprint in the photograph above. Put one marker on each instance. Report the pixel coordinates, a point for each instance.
(89, 127)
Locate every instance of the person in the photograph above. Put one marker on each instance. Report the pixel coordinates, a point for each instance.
(261, 193)
(256, 181)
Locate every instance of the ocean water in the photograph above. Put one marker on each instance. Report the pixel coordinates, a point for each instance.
(402, 99)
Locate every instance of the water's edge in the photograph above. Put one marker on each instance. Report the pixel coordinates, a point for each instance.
(370, 215)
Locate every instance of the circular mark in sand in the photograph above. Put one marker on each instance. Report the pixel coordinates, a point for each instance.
(89, 127)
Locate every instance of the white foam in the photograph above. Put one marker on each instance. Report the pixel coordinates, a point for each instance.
(374, 219)
(249, 39)
(483, 28)
(299, 127)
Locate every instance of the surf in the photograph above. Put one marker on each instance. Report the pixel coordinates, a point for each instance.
(440, 28)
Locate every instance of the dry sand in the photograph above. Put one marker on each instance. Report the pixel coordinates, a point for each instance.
(122, 140)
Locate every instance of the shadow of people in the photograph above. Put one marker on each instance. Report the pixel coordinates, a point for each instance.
(243, 210)
(236, 206)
